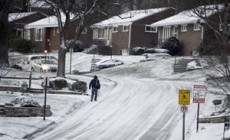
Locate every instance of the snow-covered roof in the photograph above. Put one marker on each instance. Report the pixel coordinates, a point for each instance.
(36, 3)
(50, 21)
(189, 16)
(16, 16)
(128, 17)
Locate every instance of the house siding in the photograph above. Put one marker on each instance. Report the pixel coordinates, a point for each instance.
(87, 38)
(190, 39)
(120, 40)
(54, 39)
(139, 37)
(39, 46)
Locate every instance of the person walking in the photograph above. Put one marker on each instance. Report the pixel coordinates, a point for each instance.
(95, 85)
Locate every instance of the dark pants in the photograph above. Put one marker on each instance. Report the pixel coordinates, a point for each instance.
(94, 94)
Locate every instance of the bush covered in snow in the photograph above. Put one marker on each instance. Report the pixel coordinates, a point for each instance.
(79, 86)
(59, 83)
(17, 67)
(25, 101)
(173, 45)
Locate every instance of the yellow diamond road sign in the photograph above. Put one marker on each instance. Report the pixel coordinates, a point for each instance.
(184, 97)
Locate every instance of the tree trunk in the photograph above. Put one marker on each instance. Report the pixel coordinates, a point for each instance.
(61, 62)
(3, 39)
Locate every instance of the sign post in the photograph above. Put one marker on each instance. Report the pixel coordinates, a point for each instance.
(46, 82)
(199, 93)
(184, 99)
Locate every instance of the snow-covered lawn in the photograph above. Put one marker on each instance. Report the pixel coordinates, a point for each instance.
(138, 100)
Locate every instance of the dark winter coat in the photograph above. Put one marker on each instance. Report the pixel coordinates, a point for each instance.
(95, 83)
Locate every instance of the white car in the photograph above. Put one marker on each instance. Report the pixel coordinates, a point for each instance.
(44, 65)
(26, 61)
(154, 56)
(107, 63)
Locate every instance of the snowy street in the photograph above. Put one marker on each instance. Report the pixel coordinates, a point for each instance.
(134, 109)
(137, 101)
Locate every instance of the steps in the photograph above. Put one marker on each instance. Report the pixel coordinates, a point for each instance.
(181, 65)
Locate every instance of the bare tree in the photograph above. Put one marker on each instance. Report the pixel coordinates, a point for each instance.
(82, 10)
(4, 8)
(217, 44)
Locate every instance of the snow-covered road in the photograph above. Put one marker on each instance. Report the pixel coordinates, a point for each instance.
(133, 109)
(138, 101)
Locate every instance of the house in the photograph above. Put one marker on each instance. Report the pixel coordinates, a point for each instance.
(188, 28)
(17, 21)
(45, 33)
(129, 30)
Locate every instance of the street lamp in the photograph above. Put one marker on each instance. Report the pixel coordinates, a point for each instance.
(45, 55)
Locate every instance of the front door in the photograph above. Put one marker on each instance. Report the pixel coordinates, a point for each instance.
(166, 33)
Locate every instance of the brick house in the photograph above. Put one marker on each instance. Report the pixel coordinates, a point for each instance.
(128, 30)
(17, 21)
(45, 34)
(188, 28)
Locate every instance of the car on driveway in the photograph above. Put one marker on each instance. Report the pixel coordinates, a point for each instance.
(26, 61)
(44, 65)
(154, 56)
(107, 63)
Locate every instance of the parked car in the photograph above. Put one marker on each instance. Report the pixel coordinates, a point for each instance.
(27, 59)
(26, 62)
(154, 56)
(44, 65)
(107, 63)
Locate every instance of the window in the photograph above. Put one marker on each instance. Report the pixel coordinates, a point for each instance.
(109, 33)
(125, 28)
(183, 28)
(175, 31)
(84, 31)
(27, 35)
(100, 33)
(196, 27)
(38, 34)
(150, 29)
(19, 32)
(115, 29)
(95, 33)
